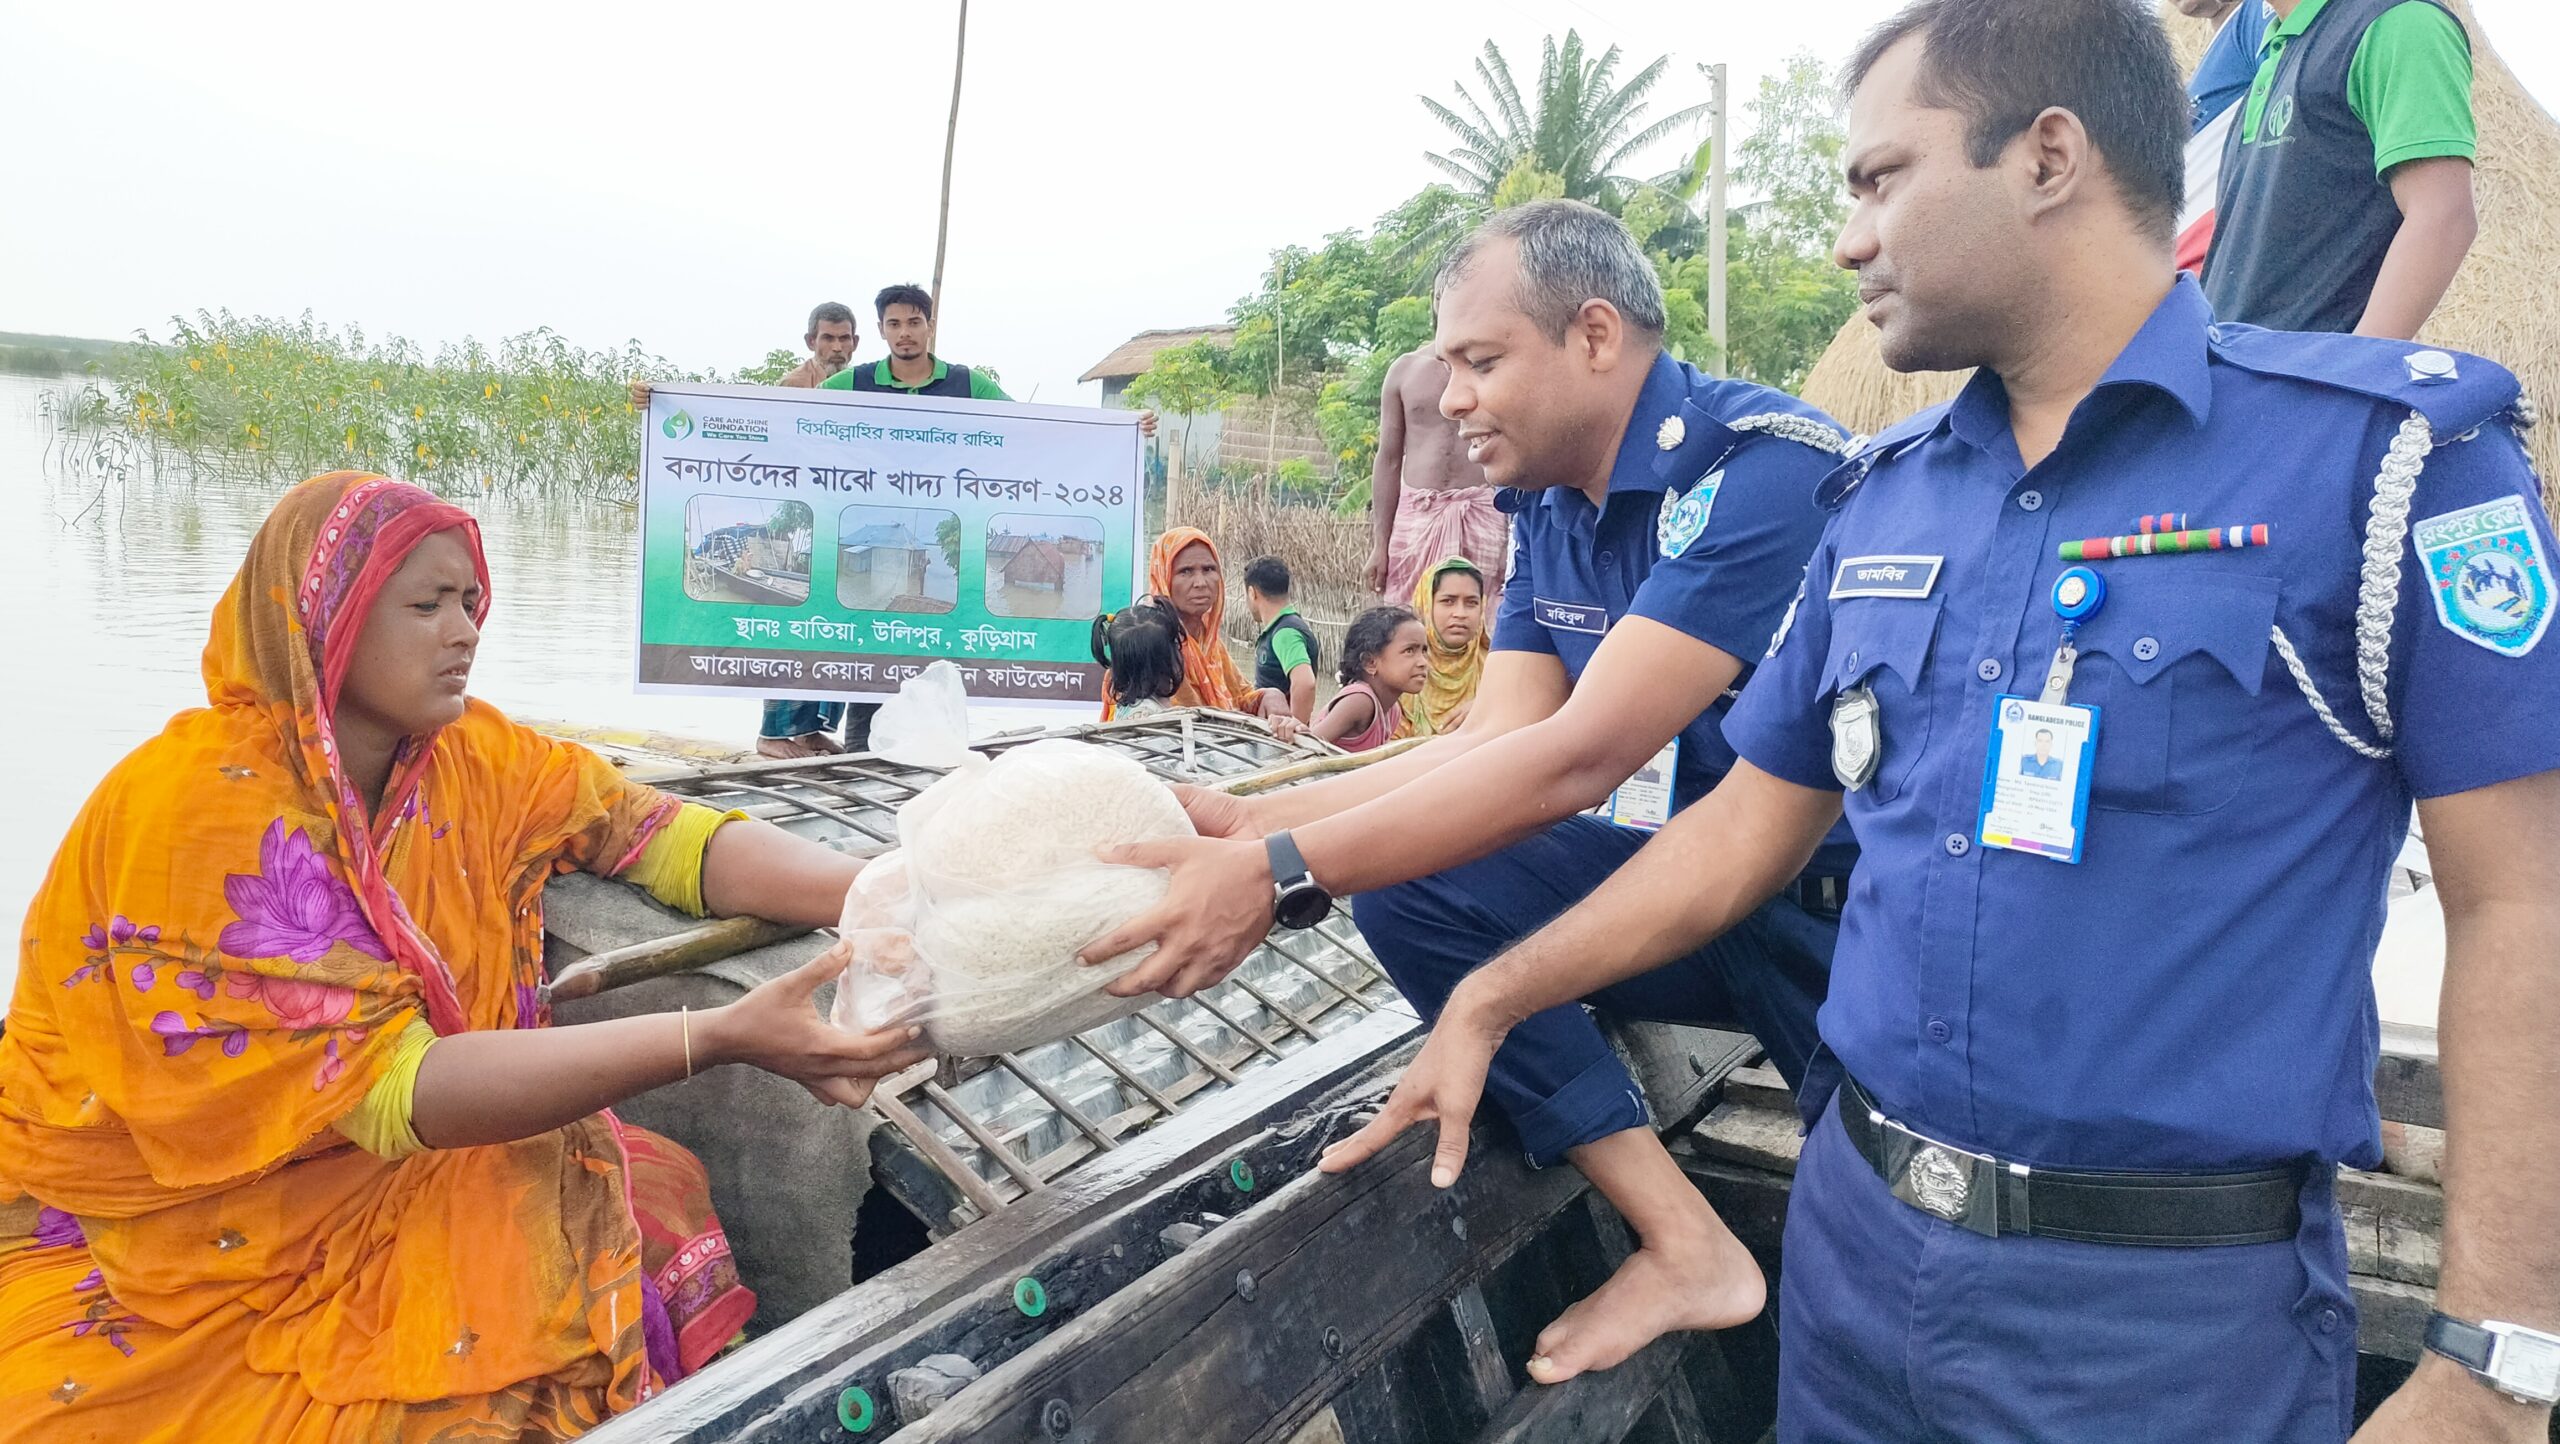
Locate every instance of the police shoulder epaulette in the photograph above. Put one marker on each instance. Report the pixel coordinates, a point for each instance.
(2438, 397)
(2455, 391)
(1864, 452)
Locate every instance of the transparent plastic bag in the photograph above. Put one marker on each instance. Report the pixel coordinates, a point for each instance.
(973, 924)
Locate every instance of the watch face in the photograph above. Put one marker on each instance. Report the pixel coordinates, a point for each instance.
(1302, 906)
(2527, 1364)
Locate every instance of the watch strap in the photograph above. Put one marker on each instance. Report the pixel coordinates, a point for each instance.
(1287, 864)
(2469, 1345)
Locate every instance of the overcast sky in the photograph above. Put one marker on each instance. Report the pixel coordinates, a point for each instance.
(696, 177)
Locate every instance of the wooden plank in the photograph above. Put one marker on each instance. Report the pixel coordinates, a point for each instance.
(1678, 1067)
(1753, 1137)
(1760, 1086)
(1488, 1375)
(1227, 1344)
(2406, 1083)
(958, 1291)
(2391, 1318)
(1590, 1408)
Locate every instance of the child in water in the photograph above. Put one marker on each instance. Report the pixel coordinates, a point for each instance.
(1141, 648)
(1385, 658)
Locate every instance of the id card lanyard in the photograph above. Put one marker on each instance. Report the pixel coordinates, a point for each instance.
(2036, 777)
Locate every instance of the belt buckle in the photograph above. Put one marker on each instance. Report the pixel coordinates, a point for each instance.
(1955, 1184)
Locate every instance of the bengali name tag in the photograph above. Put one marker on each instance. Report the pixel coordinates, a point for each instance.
(1907, 577)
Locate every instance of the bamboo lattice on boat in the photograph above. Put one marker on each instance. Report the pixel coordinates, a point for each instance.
(994, 1129)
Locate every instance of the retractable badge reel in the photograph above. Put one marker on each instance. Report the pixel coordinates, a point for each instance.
(2077, 594)
(2035, 783)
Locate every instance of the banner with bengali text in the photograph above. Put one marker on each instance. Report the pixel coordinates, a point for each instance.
(832, 543)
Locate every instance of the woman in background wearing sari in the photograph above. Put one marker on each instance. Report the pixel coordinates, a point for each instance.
(1184, 569)
(286, 1150)
(1450, 600)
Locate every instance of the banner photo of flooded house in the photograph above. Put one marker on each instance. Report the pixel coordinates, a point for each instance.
(832, 544)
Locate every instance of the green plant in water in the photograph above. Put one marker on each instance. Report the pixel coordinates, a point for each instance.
(279, 400)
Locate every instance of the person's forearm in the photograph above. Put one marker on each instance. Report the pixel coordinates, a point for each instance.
(2498, 1015)
(509, 1083)
(1302, 694)
(1497, 792)
(1293, 807)
(755, 869)
(2417, 271)
(1704, 872)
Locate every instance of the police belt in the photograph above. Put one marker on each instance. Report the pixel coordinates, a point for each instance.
(1993, 1197)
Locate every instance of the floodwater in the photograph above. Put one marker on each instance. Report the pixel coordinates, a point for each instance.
(107, 589)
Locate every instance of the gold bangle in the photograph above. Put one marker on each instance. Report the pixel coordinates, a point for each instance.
(684, 1017)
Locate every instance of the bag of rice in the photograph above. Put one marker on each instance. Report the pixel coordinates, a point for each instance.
(973, 924)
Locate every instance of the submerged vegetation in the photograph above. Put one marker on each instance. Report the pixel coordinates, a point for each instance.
(281, 400)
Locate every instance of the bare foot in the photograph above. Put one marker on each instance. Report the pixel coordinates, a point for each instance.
(815, 744)
(1695, 1282)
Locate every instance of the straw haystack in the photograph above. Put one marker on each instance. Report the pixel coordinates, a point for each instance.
(2495, 309)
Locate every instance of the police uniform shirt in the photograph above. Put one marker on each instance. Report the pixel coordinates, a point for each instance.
(2196, 992)
(1708, 519)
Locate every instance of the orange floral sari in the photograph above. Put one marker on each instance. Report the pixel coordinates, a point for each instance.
(217, 968)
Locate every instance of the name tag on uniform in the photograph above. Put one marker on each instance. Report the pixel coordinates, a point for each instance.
(1643, 801)
(2035, 784)
(1910, 578)
(1571, 616)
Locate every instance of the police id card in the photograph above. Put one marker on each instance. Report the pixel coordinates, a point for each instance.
(1643, 801)
(2035, 784)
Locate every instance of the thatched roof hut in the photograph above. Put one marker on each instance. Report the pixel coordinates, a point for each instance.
(2496, 308)
(1036, 564)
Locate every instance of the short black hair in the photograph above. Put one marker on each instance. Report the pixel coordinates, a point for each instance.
(904, 294)
(1367, 636)
(2001, 63)
(1141, 646)
(1267, 575)
(829, 311)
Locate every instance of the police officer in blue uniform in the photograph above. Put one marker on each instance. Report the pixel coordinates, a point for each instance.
(2094, 1051)
(1662, 518)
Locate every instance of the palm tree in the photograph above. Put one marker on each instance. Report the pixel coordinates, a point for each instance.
(1580, 126)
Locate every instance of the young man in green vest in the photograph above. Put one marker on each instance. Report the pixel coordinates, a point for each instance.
(2345, 201)
(906, 324)
(1284, 656)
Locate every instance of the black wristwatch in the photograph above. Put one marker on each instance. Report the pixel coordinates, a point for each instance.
(1300, 902)
(2521, 1363)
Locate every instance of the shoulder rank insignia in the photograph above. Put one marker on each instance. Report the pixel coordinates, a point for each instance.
(2487, 572)
(1684, 514)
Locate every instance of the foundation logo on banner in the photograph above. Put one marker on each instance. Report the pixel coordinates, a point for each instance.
(678, 426)
(2486, 569)
(734, 428)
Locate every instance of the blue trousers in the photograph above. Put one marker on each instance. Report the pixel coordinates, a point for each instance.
(1894, 1324)
(797, 717)
(1555, 1076)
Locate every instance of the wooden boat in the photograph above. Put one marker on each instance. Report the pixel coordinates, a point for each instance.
(772, 589)
(1122, 1237)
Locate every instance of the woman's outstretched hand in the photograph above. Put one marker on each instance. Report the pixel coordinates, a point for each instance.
(777, 1028)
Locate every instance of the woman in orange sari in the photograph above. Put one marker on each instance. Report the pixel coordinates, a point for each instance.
(1184, 569)
(286, 1152)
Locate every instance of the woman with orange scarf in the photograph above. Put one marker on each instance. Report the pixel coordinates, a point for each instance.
(1184, 569)
(286, 1152)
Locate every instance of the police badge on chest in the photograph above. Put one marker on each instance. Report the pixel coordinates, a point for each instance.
(1857, 736)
